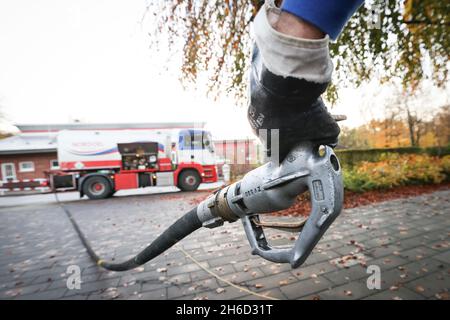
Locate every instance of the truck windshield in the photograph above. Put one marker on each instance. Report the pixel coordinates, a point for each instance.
(196, 140)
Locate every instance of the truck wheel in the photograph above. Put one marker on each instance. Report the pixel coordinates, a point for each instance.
(189, 180)
(97, 188)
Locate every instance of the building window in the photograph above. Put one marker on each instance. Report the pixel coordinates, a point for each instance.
(26, 166)
(54, 165)
(8, 171)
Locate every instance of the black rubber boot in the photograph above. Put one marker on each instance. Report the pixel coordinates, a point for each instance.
(291, 105)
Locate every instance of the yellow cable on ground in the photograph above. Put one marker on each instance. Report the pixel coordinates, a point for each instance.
(224, 280)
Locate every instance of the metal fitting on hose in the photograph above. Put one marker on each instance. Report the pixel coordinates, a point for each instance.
(215, 210)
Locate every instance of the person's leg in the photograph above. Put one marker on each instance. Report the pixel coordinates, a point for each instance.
(291, 68)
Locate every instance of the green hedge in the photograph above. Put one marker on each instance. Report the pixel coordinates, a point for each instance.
(397, 170)
(349, 158)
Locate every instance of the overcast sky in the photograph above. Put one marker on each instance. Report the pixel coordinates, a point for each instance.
(62, 60)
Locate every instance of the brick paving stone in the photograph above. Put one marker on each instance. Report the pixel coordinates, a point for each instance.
(400, 293)
(224, 293)
(94, 286)
(349, 291)
(273, 281)
(388, 262)
(346, 275)
(409, 272)
(275, 268)
(418, 253)
(157, 294)
(444, 257)
(274, 293)
(320, 257)
(431, 284)
(314, 270)
(305, 287)
(244, 276)
(196, 288)
(185, 268)
(251, 262)
(154, 284)
(44, 295)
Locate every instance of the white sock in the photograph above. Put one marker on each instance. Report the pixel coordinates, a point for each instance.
(286, 55)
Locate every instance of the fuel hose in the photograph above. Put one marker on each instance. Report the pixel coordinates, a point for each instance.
(181, 228)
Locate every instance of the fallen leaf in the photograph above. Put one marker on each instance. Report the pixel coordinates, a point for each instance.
(283, 282)
(442, 296)
(111, 293)
(393, 288)
(220, 290)
(420, 289)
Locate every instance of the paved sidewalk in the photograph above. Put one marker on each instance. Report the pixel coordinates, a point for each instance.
(407, 238)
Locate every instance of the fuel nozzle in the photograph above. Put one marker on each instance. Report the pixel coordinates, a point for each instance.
(269, 188)
(273, 187)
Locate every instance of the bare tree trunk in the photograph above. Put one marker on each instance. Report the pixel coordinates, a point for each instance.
(411, 126)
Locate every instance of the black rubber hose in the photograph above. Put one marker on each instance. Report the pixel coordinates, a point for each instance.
(177, 231)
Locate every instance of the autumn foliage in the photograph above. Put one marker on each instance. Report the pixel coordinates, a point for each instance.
(397, 170)
(401, 129)
(215, 38)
